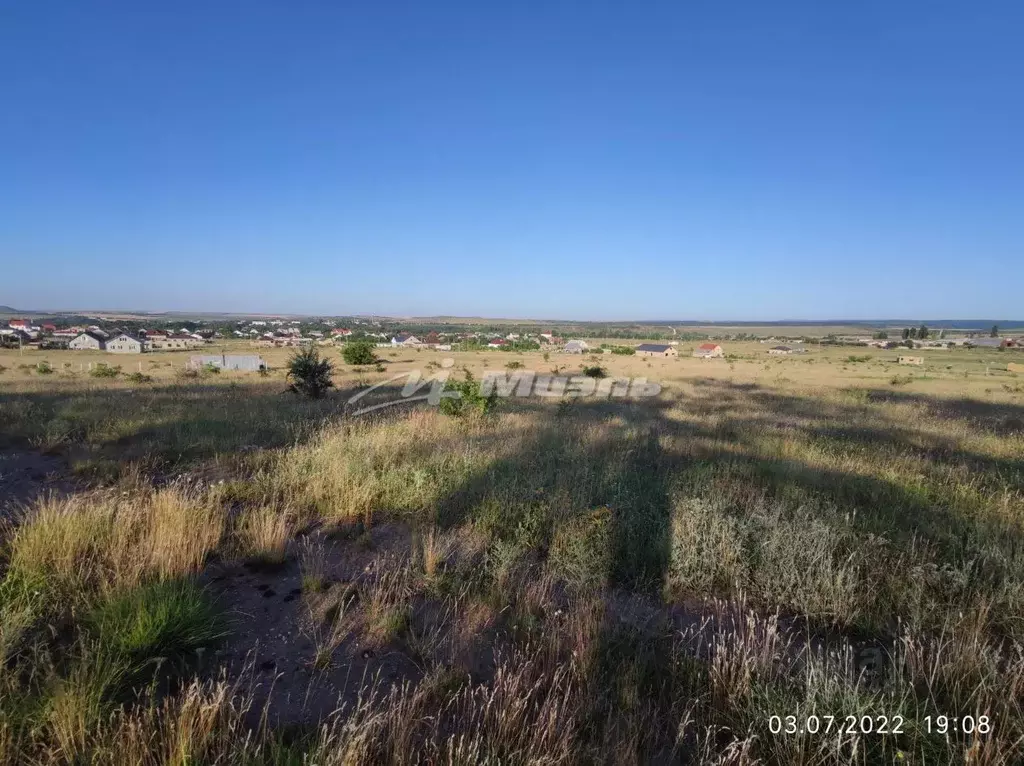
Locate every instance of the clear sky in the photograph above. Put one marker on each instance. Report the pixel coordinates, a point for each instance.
(591, 159)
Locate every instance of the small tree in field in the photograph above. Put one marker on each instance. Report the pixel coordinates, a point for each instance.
(358, 352)
(309, 374)
(995, 331)
(469, 399)
(922, 333)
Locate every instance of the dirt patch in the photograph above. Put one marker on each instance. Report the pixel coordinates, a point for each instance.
(24, 474)
(281, 639)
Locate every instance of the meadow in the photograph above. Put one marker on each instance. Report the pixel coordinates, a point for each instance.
(207, 569)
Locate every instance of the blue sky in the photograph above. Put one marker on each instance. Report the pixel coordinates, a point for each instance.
(592, 160)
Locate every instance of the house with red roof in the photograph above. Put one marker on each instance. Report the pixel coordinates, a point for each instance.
(709, 351)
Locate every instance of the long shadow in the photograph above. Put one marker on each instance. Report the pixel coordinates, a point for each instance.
(176, 425)
(628, 456)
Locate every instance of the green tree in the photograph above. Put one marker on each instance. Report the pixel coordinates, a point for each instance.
(906, 333)
(995, 331)
(309, 374)
(881, 335)
(359, 352)
(912, 333)
(923, 332)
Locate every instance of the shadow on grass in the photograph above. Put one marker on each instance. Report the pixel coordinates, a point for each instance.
(630, 457)
(102, 430)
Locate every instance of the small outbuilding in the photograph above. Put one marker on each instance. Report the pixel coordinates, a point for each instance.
(575, 347)
(655, 349)
(241, 362)
(780, 350)
(917, 360)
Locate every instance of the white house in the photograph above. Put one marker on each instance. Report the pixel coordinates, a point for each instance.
(87, 341)
(124, 344)
(575, 347)
(162, 342)
(403, 339)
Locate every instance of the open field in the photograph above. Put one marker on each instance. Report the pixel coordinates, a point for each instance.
(209, 570)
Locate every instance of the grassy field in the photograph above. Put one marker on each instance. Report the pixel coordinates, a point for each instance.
(210, 570)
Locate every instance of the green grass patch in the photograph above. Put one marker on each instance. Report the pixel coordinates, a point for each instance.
(165, 619)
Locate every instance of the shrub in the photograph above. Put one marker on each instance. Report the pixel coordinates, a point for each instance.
(209, 369)
(309, 374)
(595, 371)
(359, 352)
(514, 365)
(44, 368)
(468, 398)
(138, 377)
(901, 380)
(102, 370)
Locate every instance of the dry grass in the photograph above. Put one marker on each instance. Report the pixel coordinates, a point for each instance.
(617, 583)
(264, 536)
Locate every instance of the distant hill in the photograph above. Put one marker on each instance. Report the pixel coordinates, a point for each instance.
(8, 310)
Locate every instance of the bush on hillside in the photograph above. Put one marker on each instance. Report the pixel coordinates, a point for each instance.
(310, 375)
(469, 398)
(102, 370)
(358, 352)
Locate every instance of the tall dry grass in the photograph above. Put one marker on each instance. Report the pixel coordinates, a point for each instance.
(573, 548)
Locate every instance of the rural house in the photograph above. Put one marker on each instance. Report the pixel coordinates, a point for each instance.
(709, 351)
(87, 341)
(403, 339)
(497, 343)
(166, 342)
(655, 349)
(780, 350)
(575, 347)
(124, 344)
